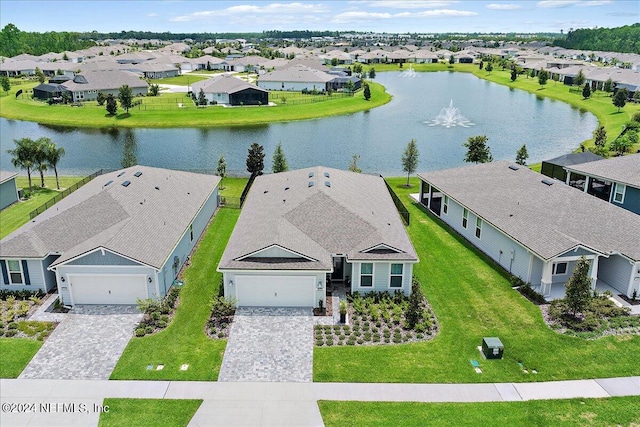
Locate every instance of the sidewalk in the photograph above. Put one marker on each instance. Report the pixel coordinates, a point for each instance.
(285, 404)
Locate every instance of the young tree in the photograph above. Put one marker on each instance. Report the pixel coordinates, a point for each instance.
(125, 96)
(477, 150)
(452, 60)
(579, 79)
(489, 68)
(349, 86)
(410, 159)
(532, 73)
(372, 73)
(222, 167)
(608, 85)
(481, 65)
(24, 155)
(112, 105)
(367, 91)
(53, 155)
(40, 75)
(543, 77)
(255, 159)
(586, 91)
(621, 144)
(414, 311)
(202, 99)
(5, 83)
(522, 155)
(357, 69)
(353, 165)
(100, 98)
(620, 98)
(578, 287)
(154, 89)
(514, 74)
(600, 136)
(279, 160)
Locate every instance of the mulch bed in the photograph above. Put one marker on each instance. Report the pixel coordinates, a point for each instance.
(629, 300)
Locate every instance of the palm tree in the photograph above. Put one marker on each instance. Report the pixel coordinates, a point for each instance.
(23, 155)
(53, 155)
(40, 157)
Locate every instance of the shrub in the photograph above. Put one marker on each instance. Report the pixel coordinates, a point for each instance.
(11, 333)
(527, 291)
(1, 332)
(148, 329)
(161, 324)
(140, 332)
(222, 307)
(320, 342)
(13, 325)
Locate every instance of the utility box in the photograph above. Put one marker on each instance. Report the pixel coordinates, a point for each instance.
(492, 348)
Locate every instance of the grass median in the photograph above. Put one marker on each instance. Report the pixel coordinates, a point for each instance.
(148, 412)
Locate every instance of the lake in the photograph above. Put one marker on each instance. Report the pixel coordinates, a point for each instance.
(508, 117)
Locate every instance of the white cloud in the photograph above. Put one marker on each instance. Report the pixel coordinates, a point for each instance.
(152, 15)
(359, 16)
(503, 6)
(405, 4)
(557, 3)
(595, 3)
(247, 11)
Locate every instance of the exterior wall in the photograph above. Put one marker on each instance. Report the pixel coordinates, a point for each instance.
(381, 277)
(185, 246)
(319, 276)
(8, 193)
(631, 199)
(65, 270)
(49, 276)
(291, 86)
(508, 253)
(35, 271)
(537, 264)
(219, 98)
(91, 95)
(102, 258)
(617, 272)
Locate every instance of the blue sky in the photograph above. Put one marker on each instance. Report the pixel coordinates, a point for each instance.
(254, 16)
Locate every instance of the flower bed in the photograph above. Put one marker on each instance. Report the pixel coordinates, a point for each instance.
(222, 311)
(157, 314)
(15, 310)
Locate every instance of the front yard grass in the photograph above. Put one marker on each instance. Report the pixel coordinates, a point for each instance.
(17, 214)
(472, 299)
(184, 341)
(15, 354)
(560, 413)
(148, 412)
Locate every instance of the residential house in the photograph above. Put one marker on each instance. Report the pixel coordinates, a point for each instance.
(295, 78)
(121, 237)
(300, 229)
(615, 180)
(229, 90)
(537, 228)
(555, 168)
(85, 87)
(46, 91)
(8, 189)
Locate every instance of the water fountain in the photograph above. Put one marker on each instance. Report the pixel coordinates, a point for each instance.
(409, 72)
(449, 117)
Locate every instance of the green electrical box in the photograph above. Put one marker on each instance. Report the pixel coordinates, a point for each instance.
(492, 348)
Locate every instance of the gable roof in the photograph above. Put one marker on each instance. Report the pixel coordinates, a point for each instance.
(547, 219)
(624, 169)
(6, 176)
(224, 83)
(297, 73)
(574, 159)
(104, 80)
(351, 216)
(138, 221)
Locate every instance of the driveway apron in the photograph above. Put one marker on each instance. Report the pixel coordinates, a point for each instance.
(269, 344)
(86, 344)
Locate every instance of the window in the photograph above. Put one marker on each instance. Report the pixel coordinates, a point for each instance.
(395, 280)
(559, 268)
(191, 231)
(366, 274)
(618, 196)
(445, 205)
(478, 227)
(465, 217)
(15, 272)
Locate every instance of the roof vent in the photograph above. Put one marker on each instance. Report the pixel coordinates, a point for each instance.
(513, 167)
(547, 182)
(121, 173)
(265, 191)
(108, 183)
(326, 174)
(126, 183)
(311, 174)
(327, 184)
(137, 174)
(310, 184)
(286, 188)
(156, 187)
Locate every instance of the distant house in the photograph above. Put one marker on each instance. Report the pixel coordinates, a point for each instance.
(121, 237)
(537, 228)
(229, 90)
(8, 189)
(295, 78)
(85, 87)
(555, 168)
(615, 180)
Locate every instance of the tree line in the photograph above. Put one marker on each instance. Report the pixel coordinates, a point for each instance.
(619, 39)
(14, 42)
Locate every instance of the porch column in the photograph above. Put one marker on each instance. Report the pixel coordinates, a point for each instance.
(545, 283)
(594, 271)
(429, 198)
(568, 180)
(586, 183)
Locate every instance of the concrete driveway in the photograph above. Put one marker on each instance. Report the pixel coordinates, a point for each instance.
(86, 344)
(269, 344)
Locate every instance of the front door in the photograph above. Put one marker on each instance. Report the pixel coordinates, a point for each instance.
(338, 269)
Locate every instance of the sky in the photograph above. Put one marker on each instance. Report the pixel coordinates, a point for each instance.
(392, 16)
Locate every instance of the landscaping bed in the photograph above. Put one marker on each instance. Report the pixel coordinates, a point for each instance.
(222, 311)
(157, 314)
(382, 318)
(15, 308)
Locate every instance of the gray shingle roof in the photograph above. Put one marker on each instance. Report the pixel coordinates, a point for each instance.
(6, 176)
(574, 159)
(223, 84)
(625, 169)
(354, 214)
(105, 80)
(138, 221)
(297, 73)
(549, 220)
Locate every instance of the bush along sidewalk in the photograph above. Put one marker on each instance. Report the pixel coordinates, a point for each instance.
(222, 312)
(157, 314)
(382, 318)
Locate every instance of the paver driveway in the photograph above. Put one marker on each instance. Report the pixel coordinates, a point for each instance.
(86, 344)
(269, 344)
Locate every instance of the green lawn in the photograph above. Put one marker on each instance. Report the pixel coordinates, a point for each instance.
(472, 298)
(184, 341)
(182, 80)
(560, 413)
(148, 412)
(233, 187)
(16, 215)
(15, 354)
(163, 111)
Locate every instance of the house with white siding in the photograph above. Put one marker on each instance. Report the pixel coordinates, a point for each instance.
(537, 228)
(8, 189)
(121, 237)
(301, 230)
(226, 89)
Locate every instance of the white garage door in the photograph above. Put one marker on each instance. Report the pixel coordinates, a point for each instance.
(275, 291)
(107, 288)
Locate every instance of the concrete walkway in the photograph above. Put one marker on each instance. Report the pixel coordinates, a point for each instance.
(86, 344)
(32, 402)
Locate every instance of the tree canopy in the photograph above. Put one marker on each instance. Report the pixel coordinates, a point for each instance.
(279, 160)
(619, 39)
(477, 150)
(255, 159)
(15, 42)
(410, 159)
